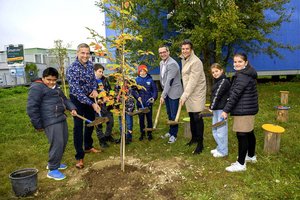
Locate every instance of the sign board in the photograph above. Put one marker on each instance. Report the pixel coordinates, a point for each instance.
(15, 54)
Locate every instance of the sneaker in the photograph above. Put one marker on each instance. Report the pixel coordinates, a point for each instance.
(250, 159)
(167, 135)
(56, 175)
(217, 154)
(213, 151)
(172, 139)
(236, 167)
(61, 166)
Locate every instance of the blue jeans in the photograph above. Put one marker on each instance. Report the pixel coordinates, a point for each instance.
(128, 123)
(172, 107)
(220, 133)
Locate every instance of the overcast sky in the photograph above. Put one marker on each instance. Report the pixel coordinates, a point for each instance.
(37, 23)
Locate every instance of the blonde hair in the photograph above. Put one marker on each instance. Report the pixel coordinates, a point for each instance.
(216, 65)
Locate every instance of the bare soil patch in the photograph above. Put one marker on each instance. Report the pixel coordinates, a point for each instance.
(155, 180)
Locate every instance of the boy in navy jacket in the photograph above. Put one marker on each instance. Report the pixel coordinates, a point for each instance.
(46, 106)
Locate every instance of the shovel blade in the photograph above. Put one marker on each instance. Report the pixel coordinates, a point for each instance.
(98, 120)
(218, 124)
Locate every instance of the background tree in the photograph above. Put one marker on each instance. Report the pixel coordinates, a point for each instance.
(60, 53)
(31, 71)
(217, 28)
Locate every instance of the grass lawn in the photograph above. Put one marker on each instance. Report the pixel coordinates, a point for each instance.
(272, 177)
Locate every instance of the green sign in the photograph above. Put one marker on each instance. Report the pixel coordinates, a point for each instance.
(15, 54)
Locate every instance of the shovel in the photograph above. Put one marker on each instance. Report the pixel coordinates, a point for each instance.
(143, 109)
(206, 113)
(175, 122)
(156, 120)
(136, 112)
(100, 118)
(91, 123)
(220, 123)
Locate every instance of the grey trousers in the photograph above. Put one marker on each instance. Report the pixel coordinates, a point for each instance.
(57, 135)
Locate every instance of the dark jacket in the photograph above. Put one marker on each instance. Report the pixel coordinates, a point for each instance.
(129, 99)
(243, 98)
(106, 86)
(220, 93)
(46, 106)
(151, 90)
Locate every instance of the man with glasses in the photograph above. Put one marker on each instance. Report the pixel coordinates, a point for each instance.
(172, 89)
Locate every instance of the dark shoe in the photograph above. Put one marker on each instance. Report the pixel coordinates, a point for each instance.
(198, 149)
(118, 141)
(192, 141)
(150, 137)
(141, 138)
(103, 143)
(128, 140)
(110, 139)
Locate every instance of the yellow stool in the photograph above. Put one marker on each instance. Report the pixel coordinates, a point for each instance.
(187, 128)
(272, 137)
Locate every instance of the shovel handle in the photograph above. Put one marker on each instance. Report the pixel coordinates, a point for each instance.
(178, 112)
(83, 118)
(157, 116)
(141, 103)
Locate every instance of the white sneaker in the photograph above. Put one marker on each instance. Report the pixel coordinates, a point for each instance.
(167, 135)
(213, 151)
(236, 167)
(172, 139)
(250, 159)
(217, 154)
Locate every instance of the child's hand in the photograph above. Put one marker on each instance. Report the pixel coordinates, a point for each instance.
(74, 113)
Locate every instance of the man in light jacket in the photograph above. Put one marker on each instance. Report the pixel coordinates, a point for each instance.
(172, 88)
(194, 95)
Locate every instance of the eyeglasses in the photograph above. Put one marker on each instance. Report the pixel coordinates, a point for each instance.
(162, 52)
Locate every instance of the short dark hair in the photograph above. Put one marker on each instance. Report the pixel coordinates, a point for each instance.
(242, 55)
(50, 71)
(98, 66)
(83, 45)
(164, 46)
(187, 41)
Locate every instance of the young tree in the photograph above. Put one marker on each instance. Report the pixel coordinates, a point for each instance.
(60, 53)
(121, 19)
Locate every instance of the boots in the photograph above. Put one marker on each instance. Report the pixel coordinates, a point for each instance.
(142, 137)
(199, 147)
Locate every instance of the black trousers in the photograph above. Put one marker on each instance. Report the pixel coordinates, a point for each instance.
(82, 138)
(197, 126)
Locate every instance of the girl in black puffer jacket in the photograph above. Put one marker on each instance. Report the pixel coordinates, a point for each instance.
(219, 96)
(243, 105)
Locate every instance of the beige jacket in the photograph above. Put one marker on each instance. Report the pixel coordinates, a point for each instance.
(194, 84)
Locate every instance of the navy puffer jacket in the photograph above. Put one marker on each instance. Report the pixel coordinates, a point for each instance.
(243, 98)
(46, 106)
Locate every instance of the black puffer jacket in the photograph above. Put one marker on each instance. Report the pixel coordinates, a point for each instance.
(220, 93)
(46, 106)
(243, 98)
